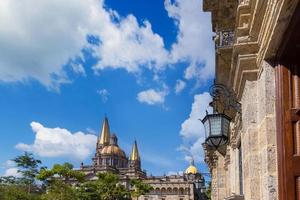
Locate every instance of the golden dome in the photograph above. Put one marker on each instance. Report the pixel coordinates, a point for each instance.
(191, 170)
(113, 150)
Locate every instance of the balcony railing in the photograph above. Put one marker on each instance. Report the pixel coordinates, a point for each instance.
(224, 39)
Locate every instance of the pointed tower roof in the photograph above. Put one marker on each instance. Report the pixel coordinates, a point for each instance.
(105, 133)
(135, 156)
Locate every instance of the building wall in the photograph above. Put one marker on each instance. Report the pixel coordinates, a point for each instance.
(170, 191)
(259, 27)
(258, 136)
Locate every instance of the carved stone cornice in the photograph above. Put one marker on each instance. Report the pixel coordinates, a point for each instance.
(221, 11)
(211, 158)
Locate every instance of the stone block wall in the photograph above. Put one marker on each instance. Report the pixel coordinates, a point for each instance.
(258, 136)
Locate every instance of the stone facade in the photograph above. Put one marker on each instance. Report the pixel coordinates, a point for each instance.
(175, 187)
(247, 169)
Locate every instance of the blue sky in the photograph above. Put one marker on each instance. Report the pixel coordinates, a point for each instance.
(65, 64)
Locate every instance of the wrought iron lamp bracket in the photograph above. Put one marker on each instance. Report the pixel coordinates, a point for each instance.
(227, 98)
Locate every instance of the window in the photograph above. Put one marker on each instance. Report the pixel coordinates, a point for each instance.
(241, 170)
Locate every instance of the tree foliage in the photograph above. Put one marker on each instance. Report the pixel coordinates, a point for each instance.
(106, 187)
(140, 188)
(16, 192)
(62, 182)
(62, 172)
(28, 167)
(58, 182)
(208, 191)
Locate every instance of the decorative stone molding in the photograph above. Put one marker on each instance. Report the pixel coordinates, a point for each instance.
(235, 131)
(221, 10)
(227, 158)
(244, 2)
(245, 69)
(211, 157)
(235, 197)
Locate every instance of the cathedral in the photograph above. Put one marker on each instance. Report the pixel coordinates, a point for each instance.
(109, 157)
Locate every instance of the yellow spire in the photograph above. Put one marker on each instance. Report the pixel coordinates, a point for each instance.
(135, 156)
(105, 133)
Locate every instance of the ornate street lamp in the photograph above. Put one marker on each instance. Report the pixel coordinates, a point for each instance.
(217, 124)
(216, 129)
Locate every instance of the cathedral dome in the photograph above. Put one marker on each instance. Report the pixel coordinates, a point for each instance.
(191, 170)
(113, 150)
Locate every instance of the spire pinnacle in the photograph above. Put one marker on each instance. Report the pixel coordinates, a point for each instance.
(105, 133)
(192, 162)
(135, 156)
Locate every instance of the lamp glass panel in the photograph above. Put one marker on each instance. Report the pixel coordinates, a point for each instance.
(206, 127)
(216, 125)
(225, 125)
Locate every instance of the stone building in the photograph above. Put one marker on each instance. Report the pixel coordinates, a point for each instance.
(109, 157)
(188, 186)
(257, 58)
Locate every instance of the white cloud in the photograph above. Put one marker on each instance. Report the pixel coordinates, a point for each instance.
(78, 68)
(58, 142)
(194, 40)
(104, 94)
(46, 38)
(13, 171)
(152, 97)
(128, 45)
(9, 163)
(10, 169)
(36, 43)
(192, 129)
(91, 131)
(180, 85)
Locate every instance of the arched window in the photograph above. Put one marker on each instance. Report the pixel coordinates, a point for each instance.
(169, 190)
(181, 191)
(163, 191)
(157, 191)
(175, 190)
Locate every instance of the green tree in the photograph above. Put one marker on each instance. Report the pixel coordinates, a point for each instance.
(208, 191)
(58, 190)
(62, 172)
(139, 188)
(28, 167)
(106, 187)
(59, 181)
(13, 189)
